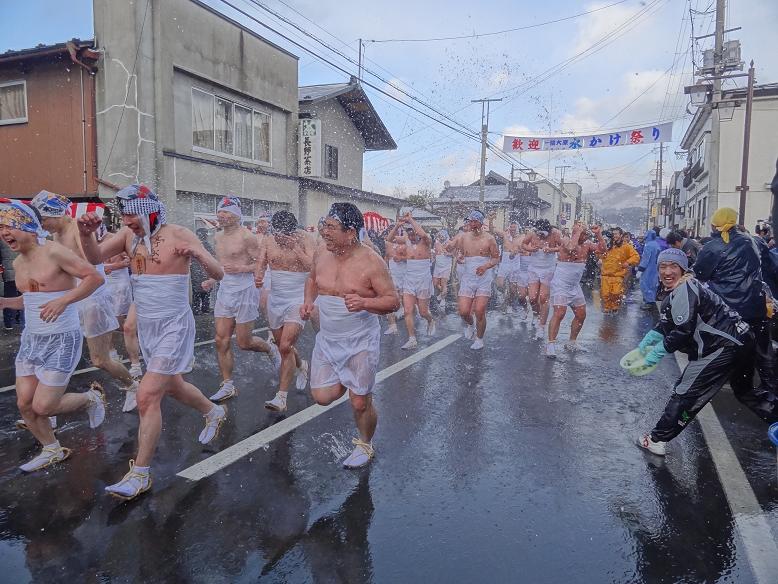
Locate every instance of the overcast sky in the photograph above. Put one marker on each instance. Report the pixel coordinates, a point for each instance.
(623, 51)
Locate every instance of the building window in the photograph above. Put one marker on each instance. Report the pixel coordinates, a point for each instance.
(228, 128)
(13, 102)
(330, 161)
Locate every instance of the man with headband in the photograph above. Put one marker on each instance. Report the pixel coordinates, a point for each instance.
(566, 284)
(96, 313)
(396, 255)
(509, 271)
(351, 285)
(417, 283)
(442, 270)
(160, 255)
(542, 245)
(475, 288)
(46, 273)
(237, 301)
(289, 255)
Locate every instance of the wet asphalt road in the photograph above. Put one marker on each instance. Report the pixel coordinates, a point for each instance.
(494, 466)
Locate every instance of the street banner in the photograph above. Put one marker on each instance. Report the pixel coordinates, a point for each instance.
(646, 135)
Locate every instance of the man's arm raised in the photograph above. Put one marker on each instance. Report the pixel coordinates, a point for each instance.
(97, 253)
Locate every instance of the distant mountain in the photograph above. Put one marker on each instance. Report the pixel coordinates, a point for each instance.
(622, 205)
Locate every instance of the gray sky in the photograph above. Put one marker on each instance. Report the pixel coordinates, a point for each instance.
(574, 75)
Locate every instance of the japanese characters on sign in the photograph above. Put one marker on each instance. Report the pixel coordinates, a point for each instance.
(310, 147)
(647, 135)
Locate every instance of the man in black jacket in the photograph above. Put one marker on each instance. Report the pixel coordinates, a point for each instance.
(737, 266)
(695, 321)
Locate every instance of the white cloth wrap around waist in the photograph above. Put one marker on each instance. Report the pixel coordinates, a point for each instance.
(417, 268)
(67, 321)
(568, 272)
(508, 261)
(397, 268)
(473, 262)
(443, 260)
(119, 277)
(236, 282)
(542, 260)
(288, 287)
(161, 296)
(336, 321)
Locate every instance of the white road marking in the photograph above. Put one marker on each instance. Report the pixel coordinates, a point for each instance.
(90, 369)
(750, 522)
(220, 460)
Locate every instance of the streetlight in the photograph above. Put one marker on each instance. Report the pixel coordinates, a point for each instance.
(699, 94)
(531, 175)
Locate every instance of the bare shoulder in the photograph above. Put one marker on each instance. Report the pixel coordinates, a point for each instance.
(178, 232)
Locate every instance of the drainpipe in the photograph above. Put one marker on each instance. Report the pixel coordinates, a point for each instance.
(83, 130)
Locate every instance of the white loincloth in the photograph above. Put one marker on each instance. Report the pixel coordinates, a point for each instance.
(286, 296)
(237, 298)
(566, 285)
(442, 266)
(121, 291)
(49, 350)
(166, 327)
(508, 267)
(540, 267)
(471, 284)
(347, 347)
(397, 270)
(96, 311)
(520, 276)
(418, 279)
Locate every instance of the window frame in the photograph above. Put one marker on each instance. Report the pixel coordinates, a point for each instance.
(232, 156)
(26, 118)
(328, 148)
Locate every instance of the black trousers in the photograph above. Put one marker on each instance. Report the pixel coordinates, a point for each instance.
(10, 316)
(702, 379)
(201, 300)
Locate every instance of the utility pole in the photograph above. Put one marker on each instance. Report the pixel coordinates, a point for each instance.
(715, 133)
(743, 188)
(562, 174)
(659, 177)
(485, 103)
(361, 48)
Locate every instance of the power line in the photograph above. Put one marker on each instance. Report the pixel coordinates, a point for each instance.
(486, 34)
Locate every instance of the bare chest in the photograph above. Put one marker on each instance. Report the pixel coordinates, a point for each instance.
(161, 259)
(42, 275)
(336, 278)
(231, 248)
(476, 246)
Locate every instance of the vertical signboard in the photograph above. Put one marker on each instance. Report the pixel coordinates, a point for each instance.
(310, 148)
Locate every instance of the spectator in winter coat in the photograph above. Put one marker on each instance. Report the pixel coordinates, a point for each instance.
(649, 279)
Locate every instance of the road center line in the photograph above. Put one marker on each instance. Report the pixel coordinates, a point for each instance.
(218, 461)
(750, 522)
(90, 369)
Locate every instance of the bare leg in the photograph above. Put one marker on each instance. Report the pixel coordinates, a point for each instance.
(130, 330)
(247, 341)
(224, 328)
(424, 309)
(578, 321)
(100, 355)
(556, 320)
(465, 308)
(480, 303)
(409, 308)
(543, 297)
(533, 290)
(324, 396)
(184, 392)
(38, 425)
(286, 338)
(152, 389)
(365, 415)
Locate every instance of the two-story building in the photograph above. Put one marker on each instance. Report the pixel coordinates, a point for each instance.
(47, 121)
(563, 202)
(701, 202)
(338, 124)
